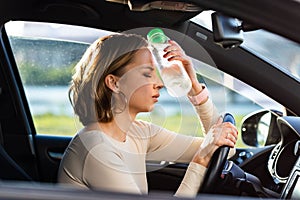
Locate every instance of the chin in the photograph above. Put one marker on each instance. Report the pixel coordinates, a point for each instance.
(145, 108)
(151, 108)
(148, 109)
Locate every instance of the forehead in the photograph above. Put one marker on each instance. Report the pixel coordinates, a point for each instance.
(142, 58)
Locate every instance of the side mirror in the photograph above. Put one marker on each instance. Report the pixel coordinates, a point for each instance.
(227, 31)
(260, 128)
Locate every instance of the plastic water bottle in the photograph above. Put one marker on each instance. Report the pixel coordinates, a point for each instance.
(172, 73)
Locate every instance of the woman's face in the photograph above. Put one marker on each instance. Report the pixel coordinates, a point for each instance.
(140, 83)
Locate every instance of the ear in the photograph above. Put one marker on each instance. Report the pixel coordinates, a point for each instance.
(111, 82)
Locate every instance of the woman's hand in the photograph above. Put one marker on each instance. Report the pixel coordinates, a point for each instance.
(175, 52)
(220, 134)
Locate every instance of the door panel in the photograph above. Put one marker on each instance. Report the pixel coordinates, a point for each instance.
(50, 149)
(166, 178)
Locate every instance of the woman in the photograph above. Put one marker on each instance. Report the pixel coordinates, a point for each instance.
(115, 80)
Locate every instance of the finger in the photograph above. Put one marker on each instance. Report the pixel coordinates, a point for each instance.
(220, 120)
(231, 128)
(174, 44)
(231, 138)
(177, 53)
(225, 140)
(230, 132)
(229, 143)
(234, 131)
(172, 48)
(172, 54)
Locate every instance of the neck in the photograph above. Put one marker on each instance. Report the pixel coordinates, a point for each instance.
(113, 130)
(120, 125)
(124, 120)
(117, 128)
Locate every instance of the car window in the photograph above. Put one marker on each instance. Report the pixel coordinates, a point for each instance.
(46, 58)
(281, 52)
(45, 54)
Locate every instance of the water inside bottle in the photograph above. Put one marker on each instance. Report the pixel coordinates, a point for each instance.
(177, 82)
(172, 73)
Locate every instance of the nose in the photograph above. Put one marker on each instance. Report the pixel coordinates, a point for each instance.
(158, 82)
(158, 86)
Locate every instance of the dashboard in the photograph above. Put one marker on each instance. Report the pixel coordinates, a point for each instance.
(292, 187)
(284, 160)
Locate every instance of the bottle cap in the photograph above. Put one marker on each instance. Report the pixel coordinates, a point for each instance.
(157, 35)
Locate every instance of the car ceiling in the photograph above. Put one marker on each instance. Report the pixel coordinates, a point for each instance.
(270, 14)
(95, 13)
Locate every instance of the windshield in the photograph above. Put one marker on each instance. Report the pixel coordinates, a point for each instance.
(279, 51)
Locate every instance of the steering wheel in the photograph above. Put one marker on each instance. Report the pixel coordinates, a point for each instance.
(213, 173)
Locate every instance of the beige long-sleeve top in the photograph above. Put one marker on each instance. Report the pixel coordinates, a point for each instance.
(97, 161)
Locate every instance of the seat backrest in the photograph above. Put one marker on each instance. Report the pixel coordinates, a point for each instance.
(9, 169)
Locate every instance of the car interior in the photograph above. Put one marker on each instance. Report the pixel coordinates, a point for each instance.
(27, 156)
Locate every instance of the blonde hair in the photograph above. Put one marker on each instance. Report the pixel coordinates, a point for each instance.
(88, 93)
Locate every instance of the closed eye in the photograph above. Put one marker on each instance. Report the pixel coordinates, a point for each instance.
(147, 75)
(148, 71)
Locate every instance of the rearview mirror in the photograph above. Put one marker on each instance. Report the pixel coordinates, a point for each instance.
(227, 31)
(260, 128)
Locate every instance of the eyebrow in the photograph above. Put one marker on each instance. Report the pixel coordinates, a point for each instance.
(149, 67)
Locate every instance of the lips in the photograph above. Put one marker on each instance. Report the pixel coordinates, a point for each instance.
(156, 96)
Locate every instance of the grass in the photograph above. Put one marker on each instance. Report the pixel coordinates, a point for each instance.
(68, 126)
(56, 124)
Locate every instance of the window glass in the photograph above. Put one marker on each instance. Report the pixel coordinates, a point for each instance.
(229, 94)
(45, 55)
(283, 53)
